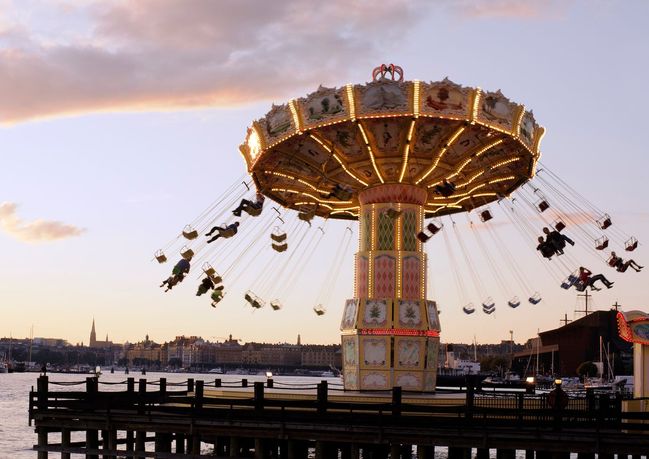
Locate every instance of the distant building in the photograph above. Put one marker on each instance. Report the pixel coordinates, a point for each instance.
(562, 350)
(98, 344)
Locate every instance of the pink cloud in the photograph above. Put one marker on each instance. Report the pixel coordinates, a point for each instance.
(510, 8)
(155, 54)
(35, 231)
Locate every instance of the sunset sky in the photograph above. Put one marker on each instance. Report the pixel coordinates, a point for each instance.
(120, 123)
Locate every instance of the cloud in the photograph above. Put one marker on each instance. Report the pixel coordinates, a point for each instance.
(515, 9)
(36, 231)
(152, 54)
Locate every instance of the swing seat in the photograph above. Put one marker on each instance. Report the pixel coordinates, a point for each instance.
(580, 286)
(488, 311)
(514, 302)
(319, 310)
(218, 287)
(190, 233)
(604, 221)
(433, 228)
(542, 205)
(276, 305)
(278, 237)
(601, 243)
(423, 237)
(485, 216)
(217, 295)
(208, 269)
(468, 309)
(631, 244)
(573, 278)
(160, 256)
(306, 216)
(256, 304)
(611, 261)
(186, 253)
(253, 211)
(566, 285)
(535, 299)
(558, 225)
(489, 303)
(280, 247)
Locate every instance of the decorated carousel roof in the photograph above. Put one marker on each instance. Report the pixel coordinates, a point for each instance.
(392, 131)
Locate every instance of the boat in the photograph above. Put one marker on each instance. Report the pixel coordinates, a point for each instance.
(4, 368)
(217, 370)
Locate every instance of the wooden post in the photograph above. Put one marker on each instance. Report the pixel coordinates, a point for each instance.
(529, 454)
(198, 394)
(163, 389)
(92, 442)
(180, 443)
(130, 440)
(104, 444)
(244, 382)
(470, 392)
(142, 396)
(112, 442)
(217, 382)
(140, 443)
(482, 453)
(322, 397)
(269, 383)
(395, 448)
(190, 384)
(65, 442)
(196, 444)
(427, 452)
(458, 452)
(260, 452)
(396, 401)
(130, 385)
(502, 453)
(259, 398)
(235, 446)
(42, 442)
(162, 442)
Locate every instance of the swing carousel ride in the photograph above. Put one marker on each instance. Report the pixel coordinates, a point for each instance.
(405, 159)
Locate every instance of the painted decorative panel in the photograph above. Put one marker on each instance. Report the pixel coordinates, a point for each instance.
(385, 234)
(430, 381)
(349, 314)
(362, 266)
(351, 378)
(381, 97)
(411, 277)
(409, 380)
(432, 353)
(384, 276)
(446, 99)
(527, 129)
(410, 314)
(378, 380)
(497, 111)
(409, 230)
(375, 351)
(326, 105)
(366, 229)
(433, 316)
(409, 352)
(376, 314)
(277, 124)
(350, 350)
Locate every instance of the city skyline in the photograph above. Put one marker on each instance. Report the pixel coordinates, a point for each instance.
(121, 123)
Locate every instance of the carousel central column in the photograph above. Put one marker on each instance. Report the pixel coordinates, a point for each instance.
(390, 331)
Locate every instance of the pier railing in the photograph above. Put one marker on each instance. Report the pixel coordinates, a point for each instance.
(265, 407)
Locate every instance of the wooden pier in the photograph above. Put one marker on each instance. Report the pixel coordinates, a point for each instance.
(266, 420)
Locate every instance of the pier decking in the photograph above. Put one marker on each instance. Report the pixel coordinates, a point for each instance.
(267, 420)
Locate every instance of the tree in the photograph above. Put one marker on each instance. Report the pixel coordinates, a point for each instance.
(587, 369)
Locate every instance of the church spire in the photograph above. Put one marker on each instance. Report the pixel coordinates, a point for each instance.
(93, 334)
